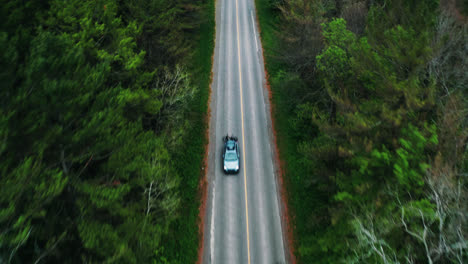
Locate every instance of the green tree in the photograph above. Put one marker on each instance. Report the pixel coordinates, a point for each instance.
(377, 93)
(89, 121)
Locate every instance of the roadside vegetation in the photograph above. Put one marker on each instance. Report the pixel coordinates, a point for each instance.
(371, 110)
(102, 129)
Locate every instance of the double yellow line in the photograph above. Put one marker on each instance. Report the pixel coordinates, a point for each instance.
(243, 140)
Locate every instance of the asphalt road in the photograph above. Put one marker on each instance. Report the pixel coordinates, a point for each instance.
(242, 221)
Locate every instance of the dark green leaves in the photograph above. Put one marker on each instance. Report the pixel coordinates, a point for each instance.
(90, 117)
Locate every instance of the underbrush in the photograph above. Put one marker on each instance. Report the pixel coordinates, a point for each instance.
(182, 243)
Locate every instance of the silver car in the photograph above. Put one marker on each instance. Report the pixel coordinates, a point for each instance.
(231, 160)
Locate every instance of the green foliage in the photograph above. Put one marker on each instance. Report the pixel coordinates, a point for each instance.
(359, 126)
(374, 103)
(85, 143)
(189, 159)
(336, 34)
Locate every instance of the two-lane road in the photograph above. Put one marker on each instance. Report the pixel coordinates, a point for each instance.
(243, 223)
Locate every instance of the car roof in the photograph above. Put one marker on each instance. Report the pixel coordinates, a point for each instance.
(231, 152)
(230, 144)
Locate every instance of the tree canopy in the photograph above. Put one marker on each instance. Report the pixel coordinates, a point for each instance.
(93, 100)
(376, 133)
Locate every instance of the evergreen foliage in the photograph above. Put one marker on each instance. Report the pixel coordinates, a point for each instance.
(93, 108)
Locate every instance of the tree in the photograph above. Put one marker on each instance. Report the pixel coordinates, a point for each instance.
(89, 120)
(379, 101)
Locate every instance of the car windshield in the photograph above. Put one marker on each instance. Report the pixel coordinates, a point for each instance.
(231, 156)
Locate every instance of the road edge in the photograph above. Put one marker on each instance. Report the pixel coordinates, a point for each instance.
(279, 166)
(204, 183)
(209, 173)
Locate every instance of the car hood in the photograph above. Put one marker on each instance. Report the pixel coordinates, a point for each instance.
(231, 164)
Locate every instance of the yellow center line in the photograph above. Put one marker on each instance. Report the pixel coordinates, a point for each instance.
(243, 144)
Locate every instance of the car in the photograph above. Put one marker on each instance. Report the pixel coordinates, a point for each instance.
(231, 158)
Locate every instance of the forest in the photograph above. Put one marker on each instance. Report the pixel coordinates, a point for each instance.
(102, 111)
(371, 114)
